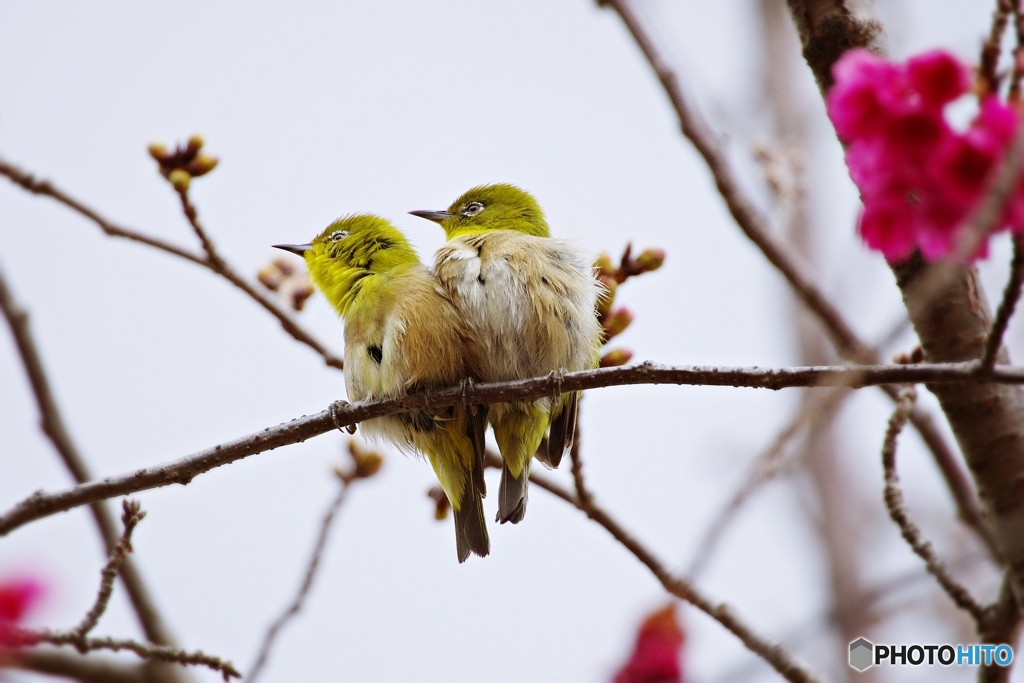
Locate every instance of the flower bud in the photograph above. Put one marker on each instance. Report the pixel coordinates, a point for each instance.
(650, 259)
(195, 143)
(300, 295)
(604, 265)
(158, 151)
(617, 322)
(201, 165)
(607, 298)
(441, 503)
(367, 462)
(616, 357)
(285, 265)
(271, 277)
(180, 179)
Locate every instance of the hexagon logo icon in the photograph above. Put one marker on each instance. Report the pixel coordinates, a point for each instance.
(861, 651)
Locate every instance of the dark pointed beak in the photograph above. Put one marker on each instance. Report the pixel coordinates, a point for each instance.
(436, 216)
(299, 249)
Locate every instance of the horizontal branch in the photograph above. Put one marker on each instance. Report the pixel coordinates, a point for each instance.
(340, 415)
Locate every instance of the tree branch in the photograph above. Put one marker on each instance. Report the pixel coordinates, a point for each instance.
(18, 638)
(1006, 307)
(307, 582)
(131, 516)
(993, 47)
(754, 224)
(788, 666)
(898, 512)
(341, 415)
(82, 668)
(211, 260)
(54, 428)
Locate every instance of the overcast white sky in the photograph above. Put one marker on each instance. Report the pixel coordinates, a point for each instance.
(318, 109)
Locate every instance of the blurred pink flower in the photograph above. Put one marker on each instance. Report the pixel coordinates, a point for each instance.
(17, 598)
(919, 179)
(656, 655)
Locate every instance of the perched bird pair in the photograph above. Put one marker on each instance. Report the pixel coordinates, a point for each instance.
(504, 302)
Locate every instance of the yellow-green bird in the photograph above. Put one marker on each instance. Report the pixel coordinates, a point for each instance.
(403, 334)
(529, 301)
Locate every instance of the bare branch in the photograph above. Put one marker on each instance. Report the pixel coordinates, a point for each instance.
(992, 49)
(54, 428)
(307, 582)
(1018, 52)
(1006, 307)
(768, 465)
(788, 666)
(82, 668)
(959, 483)
(211, 260)
(131, 516)
(341, 415)
(162, 653)
(45, 188)
(751, 221)
(19, 638)
(898, 511)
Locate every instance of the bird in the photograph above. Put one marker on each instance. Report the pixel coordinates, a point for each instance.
(529, 301)
(403, 334)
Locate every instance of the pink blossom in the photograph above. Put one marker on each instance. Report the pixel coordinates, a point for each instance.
(919, 179)
(17, 598)
(655, 657)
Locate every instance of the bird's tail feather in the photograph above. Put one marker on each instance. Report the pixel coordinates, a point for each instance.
(563, 431)
(478, 436)
(512, 494)
(470, 525)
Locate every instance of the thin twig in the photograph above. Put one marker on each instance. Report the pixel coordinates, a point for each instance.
(131, 515)
(751, 221)
(53, 427)
(82, 668)
(992, 49)
(1006, 307)
(769, 464)
(307, 583)
(788, 666)
(898, 512)
(756, 227)
(1018, 52)
(78, 636)
(147, 651)
(209, 260)
(340, 415)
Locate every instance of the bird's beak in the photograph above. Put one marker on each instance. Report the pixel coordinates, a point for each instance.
(299, 249)
(436, 216)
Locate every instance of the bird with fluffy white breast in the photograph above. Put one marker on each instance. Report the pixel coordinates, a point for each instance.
(529, 301)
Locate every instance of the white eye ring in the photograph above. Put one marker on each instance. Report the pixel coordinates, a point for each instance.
(472, 209)
(338, 235)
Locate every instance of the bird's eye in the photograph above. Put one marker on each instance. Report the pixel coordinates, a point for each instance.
(339, 235)
(472, 209)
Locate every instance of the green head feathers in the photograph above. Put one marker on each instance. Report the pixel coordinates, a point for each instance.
(348, 250)
(491, 207)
